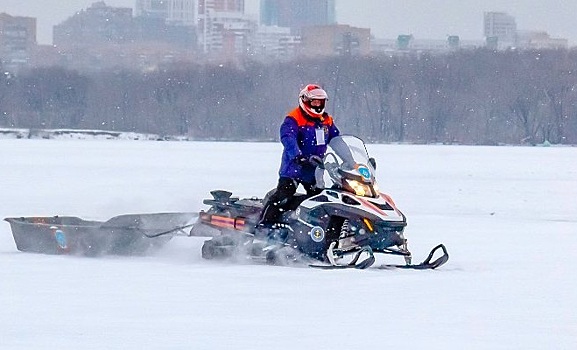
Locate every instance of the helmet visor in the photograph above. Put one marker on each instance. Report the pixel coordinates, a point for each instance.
(318, 105)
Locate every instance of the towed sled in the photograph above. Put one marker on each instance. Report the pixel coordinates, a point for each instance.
(343, 226)
(121, 235)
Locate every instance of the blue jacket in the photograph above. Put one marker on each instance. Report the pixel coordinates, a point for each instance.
(298, 134)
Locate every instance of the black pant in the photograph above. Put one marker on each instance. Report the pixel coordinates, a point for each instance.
(285, 189)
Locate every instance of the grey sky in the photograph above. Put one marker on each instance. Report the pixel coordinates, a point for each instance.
(425, 19)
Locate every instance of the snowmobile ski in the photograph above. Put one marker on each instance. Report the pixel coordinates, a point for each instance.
(427, 264)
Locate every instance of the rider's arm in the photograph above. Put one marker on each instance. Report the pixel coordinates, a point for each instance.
(288, 137)
(333, 131)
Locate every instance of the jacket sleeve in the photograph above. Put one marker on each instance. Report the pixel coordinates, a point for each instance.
(288, 137)
(333, 131)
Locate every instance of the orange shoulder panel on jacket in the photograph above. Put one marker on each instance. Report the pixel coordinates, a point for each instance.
(298, 116)
(301, 120)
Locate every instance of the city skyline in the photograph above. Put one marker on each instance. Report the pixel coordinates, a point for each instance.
(394, 17)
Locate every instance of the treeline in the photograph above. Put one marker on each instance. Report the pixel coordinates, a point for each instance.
(469, 97)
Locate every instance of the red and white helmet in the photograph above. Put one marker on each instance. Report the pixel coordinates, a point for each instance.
(312, 100)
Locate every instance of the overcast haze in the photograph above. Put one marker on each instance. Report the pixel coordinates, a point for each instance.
(425, 19)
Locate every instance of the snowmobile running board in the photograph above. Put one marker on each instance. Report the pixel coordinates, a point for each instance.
(427, 264)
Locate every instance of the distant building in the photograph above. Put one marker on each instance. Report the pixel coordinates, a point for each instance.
(182, 12)
(405, 41)
(296, 14)
(274, 43)
(17, 40)
(104, 37)
(102, 24)
(223, 28)
(220, 6)
(96, 25)
(539, 40)
(407, 44)
(501, 33)
(500, 30)
(17, 33)
(151, 8)
(335, 40)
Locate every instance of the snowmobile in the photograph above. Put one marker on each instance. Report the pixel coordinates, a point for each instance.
(343, 226)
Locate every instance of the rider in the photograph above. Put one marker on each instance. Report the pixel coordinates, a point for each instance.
(305, 133)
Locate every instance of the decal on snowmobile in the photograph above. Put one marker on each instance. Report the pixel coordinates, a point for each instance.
(317, 234)
(365, 172)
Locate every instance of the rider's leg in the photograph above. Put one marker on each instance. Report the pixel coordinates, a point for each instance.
(272, 210)
(311, 189)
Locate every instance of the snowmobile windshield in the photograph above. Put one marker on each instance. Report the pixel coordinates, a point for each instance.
(349, 166)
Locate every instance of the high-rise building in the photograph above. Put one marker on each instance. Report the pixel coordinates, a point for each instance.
(17, 39)
(17, 33)
(222, 26)
(221, 6)
(182, 12)
(172, 11)
(274, 43)
(151, 8)
(296, 14)
(500, 29)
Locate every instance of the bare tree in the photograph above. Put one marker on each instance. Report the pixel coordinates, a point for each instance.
(479, 96)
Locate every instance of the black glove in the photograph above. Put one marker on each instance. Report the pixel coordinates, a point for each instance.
(310, 160)
(301, 160)
(315, 160)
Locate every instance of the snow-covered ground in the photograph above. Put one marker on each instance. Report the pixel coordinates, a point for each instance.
(508, 216)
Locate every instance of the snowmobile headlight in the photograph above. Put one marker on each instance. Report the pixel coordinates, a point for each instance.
(360, 188)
